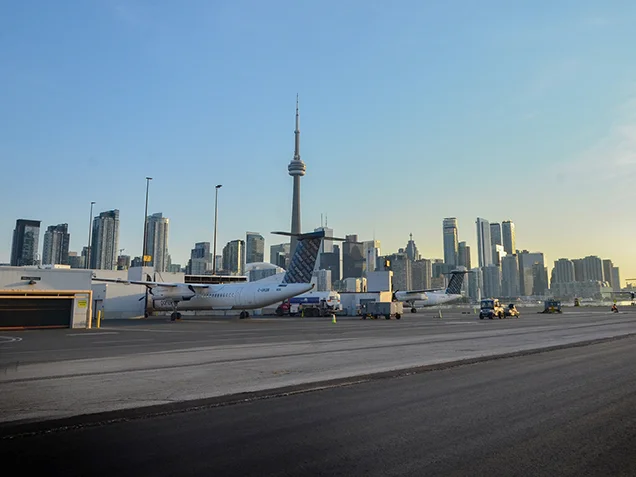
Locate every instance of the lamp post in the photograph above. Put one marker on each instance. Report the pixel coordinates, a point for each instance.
(216, 214)
(143, 249)
(90, 236)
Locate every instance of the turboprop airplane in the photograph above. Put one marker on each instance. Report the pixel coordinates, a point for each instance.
(239, 296)
(436, 296)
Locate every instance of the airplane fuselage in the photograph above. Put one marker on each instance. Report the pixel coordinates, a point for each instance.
(419, 300)
(235, 296)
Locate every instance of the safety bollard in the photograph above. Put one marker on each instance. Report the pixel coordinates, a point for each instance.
(333, 318)
(99, 318)
(439, 314)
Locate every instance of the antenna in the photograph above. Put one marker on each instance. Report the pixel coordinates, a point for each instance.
(326, 220)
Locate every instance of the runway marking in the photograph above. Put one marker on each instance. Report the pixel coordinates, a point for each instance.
(138, 340)
(9, 339)
(94, 334)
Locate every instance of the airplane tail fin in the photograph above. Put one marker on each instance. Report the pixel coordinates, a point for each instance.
(303, 261)
(455, 283)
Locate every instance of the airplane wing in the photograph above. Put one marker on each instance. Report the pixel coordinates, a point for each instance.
(150, 284)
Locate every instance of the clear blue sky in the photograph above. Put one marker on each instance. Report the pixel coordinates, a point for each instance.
(411, 111)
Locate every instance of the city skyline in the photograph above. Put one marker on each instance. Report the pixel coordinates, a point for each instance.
(459, 92)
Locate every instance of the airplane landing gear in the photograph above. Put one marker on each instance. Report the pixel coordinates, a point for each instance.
(243, 315)
(413, 310)
(175, 314)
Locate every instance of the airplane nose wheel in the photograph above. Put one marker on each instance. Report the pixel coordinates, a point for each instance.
(413, 310)
(243, 315)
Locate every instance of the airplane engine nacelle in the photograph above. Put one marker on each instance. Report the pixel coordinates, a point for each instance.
(179, 293)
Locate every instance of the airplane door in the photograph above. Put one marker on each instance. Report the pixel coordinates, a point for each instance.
(245, 298)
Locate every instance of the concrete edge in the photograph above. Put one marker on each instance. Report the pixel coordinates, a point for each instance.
(31, 427)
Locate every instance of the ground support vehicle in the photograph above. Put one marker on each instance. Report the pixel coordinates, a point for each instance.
(552, 306)
(491, 308)
(380, 309)
(511, 311)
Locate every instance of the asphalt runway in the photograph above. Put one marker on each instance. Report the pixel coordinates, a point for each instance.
(569, 412)
(54, 375)
(132, 337)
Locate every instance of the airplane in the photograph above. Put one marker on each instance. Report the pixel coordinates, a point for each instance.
(240, 296)
(436, 296)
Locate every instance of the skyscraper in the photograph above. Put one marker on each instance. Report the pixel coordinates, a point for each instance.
(528, 273)
(254, 247)
(296, 169)
(157, 245)
(593, 268)
(463, 256)
(495, 239)
(607, 271)
(26, 237)
(449, 230)
(105, 241)
(352, 257)
(508, 237)
(510, 276)
(492, 281)
(411, 249)
(279, 255)
(371, 249)
(234, 256)
(326, 246)
(200, 259)
(563, 271)
(56, 242)
(616, 279)
(422, 271)
(484, 243)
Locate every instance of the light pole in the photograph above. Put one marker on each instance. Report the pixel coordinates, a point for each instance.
(143, 249)
(216, 214)
(90, 236)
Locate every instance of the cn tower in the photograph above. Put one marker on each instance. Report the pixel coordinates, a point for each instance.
(296, 169)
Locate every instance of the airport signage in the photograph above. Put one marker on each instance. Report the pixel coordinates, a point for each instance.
(30, 278)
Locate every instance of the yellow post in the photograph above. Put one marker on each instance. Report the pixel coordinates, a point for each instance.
(99, 318)
(333, 318)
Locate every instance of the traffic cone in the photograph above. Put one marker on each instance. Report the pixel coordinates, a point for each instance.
(333, 318)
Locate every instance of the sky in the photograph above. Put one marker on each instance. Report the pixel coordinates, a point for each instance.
(411, 111)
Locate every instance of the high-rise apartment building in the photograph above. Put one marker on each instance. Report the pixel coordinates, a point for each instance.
(528, 273)
(233, 257)
(607, 271)
(510, 276)
(495, 239)
(56, 242)
(200, 259)
(593, 268)
(331, 261)
(484, 243)
(463, 255)
(616, 279)
(475, 284)
(492, 281)
(76, 261)
(563, 271)
(449, 230)
(508, 237)
(26, 237)
(422, 271)
(105, 241)
(254, 247)
(157, 242)
(371, 249)
(401, 266)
